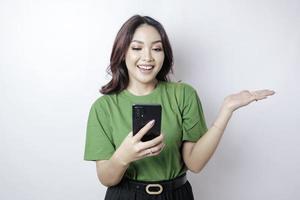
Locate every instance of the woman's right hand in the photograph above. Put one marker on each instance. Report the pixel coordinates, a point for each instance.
(132, 148)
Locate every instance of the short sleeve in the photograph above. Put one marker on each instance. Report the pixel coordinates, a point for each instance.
(98, 145)
(193, 124)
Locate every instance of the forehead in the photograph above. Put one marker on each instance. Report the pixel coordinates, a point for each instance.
(146, 33)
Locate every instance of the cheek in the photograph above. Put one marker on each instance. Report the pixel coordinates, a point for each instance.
(131, 60)
(160, 59)
(133, 57)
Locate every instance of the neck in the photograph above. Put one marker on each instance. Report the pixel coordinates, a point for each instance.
(140, 89)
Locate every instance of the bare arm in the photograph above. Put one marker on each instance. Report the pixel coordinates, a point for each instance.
(110, 172)
(196, 155)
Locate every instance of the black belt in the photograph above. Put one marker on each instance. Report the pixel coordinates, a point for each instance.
(157, 187)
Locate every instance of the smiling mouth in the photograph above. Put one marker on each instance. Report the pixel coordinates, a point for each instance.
(146, 67)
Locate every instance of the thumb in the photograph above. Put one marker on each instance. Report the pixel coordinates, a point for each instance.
(130, 134)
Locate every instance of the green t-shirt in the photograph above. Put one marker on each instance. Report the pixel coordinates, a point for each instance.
(110, 121)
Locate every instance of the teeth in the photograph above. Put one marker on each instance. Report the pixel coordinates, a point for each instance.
(147, 67)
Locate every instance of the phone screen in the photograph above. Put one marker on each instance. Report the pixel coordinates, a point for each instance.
(142, 114)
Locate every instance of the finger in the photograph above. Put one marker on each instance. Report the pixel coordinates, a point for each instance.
(152, 151)
(130, 134)
(261, 94)
(253, 96)
(269, 92)
(141, 146)
(153, 142)
(264, 92)
(144, 130)
(144, 153)
(157, 149)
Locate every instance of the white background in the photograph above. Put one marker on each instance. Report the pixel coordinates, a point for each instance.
(53, 57)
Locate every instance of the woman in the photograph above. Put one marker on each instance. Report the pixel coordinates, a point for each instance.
(131, 169)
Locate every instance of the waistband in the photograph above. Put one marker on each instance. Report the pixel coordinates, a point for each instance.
(156, 187)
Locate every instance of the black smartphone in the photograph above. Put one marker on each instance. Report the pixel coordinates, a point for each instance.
(144, 113)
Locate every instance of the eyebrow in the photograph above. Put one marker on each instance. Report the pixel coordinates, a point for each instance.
(138, 41)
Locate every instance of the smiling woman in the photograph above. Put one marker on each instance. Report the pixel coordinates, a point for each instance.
(134, 169)
(144, 59)
(143, 43)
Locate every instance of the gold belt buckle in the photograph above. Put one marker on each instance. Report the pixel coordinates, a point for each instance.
(154, 192)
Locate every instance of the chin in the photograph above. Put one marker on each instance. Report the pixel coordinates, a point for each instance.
(147, 81)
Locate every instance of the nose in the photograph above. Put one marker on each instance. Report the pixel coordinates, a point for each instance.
(147, 56)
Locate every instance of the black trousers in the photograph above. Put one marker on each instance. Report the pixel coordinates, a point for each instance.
(123, 191)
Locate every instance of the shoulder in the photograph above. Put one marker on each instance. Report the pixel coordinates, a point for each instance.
(102, 102)
(180, 88)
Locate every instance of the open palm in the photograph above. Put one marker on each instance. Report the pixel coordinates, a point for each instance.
(243, 98)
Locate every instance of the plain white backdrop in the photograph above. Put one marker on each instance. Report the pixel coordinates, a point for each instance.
(53, 57)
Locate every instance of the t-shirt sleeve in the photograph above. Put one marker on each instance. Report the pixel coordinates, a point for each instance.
(98, 145)
(193, 124)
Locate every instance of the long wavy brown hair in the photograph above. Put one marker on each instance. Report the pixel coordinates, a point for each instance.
(117, 68)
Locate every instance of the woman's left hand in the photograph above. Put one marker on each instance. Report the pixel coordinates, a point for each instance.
(243, 98)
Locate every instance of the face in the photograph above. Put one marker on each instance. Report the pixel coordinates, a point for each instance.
(145, 55)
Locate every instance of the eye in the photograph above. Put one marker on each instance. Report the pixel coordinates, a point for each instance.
(157, 49)
(136, 49)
